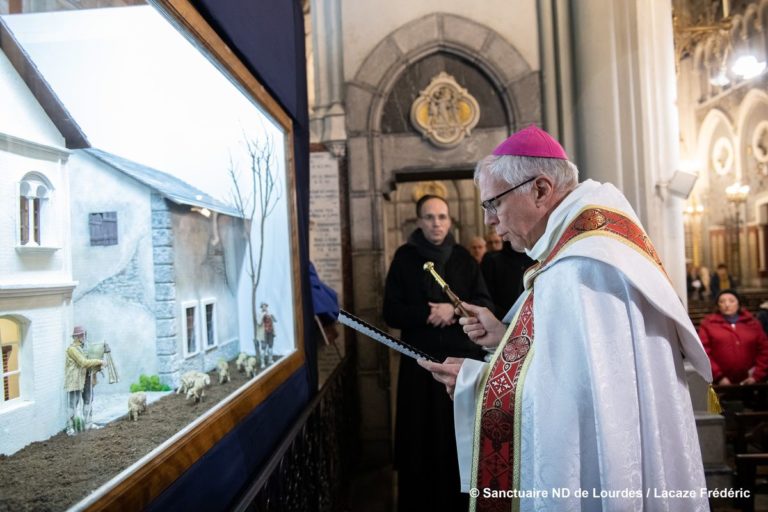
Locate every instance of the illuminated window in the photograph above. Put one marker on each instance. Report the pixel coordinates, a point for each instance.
(10, 346)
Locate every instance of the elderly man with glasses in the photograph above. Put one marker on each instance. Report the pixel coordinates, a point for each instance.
(425, 450)
(584, 403)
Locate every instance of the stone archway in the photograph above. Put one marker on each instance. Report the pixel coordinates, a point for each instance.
(374, 158)
(370, 154)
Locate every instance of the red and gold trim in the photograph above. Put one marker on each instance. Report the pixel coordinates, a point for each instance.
(497, 444)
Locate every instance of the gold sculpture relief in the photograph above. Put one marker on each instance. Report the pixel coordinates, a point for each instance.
(433, 188)
(445, 112)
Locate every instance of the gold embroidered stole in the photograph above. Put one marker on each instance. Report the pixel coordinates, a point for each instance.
(496, 458)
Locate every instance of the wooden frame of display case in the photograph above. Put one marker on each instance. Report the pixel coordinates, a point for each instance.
(145, 480)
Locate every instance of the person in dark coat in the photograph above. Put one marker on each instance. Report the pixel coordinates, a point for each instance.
(425, 448)
(735, 342)
(503, 273)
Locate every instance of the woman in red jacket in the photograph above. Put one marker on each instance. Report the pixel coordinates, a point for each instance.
(735, 342)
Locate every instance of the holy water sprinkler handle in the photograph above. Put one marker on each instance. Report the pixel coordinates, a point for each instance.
(455, 300)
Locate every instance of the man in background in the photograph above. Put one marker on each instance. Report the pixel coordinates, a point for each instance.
(425, 449)
(493, 241)
(477, 248)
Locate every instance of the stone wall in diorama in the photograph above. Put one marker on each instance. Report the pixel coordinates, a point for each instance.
(202, 246)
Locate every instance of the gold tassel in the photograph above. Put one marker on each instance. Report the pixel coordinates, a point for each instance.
(713, 403)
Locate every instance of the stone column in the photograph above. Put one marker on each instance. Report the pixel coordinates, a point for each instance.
(328, 115)
(626, 115)
(167, 347)
(558, 106)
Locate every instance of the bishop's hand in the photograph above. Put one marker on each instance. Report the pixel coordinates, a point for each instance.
(445, 372)
(483, 328)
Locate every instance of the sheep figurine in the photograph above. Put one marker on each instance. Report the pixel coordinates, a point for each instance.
(223, 368)
(188, 380)
(137, 404)
(197, 390)
(240, 363)
(251, 365)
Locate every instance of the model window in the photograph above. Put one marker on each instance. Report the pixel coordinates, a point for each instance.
(190, 328)
(34, 191)
(210, 323)
(10, 345)
(103, 228)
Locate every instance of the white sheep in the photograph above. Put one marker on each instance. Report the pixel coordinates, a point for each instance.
(240, 363)
(251, 365)
(188, 380)
(223, 368)
(137, 404)
(197, 390)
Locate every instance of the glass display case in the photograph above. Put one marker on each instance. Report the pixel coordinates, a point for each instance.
(149, 289)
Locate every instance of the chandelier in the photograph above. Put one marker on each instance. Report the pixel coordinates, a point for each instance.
(697, 22)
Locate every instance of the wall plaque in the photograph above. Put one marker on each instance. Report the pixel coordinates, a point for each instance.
(445, 112)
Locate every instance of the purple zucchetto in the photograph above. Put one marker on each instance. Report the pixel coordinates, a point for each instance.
(531, 141)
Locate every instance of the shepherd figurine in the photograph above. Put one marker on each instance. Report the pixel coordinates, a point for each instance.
(79, 380)
(265, 333)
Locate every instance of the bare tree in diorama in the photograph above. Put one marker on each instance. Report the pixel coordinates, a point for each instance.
(255, 200)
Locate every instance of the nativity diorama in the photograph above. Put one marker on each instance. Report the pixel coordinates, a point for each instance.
(144, 275)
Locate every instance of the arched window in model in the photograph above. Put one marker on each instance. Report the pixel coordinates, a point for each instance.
(34, 194)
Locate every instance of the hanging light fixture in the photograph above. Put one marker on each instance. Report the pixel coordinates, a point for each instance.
(747, 66)
(690, 32)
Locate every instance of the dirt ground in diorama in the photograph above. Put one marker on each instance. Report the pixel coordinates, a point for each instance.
(55, 474)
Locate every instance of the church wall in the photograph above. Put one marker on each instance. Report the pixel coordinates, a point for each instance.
(365, 24)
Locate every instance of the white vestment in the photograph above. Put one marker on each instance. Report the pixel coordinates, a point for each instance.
(605, 402)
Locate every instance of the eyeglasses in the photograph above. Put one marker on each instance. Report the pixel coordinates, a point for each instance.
(442, 217)
(490, 205)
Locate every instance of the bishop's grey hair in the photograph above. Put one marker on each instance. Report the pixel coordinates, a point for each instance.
(517, 169)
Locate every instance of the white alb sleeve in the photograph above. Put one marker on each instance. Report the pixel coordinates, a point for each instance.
(464, 406)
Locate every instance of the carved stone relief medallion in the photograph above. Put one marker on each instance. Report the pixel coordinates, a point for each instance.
(445, 112)
(722, 156)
